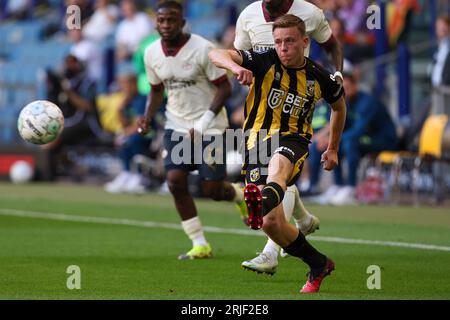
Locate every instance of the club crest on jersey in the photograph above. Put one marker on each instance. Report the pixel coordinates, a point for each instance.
(275, 98)
(310, 86)
(255, 175)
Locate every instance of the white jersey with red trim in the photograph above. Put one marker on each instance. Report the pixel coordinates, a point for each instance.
(254, 26)
(190, 79)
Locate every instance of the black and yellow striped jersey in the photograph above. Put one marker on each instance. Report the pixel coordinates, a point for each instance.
(281, 100)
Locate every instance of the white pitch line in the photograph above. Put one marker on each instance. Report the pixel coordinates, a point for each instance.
(174, 226)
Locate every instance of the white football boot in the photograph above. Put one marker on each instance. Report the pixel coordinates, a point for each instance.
(263, 263)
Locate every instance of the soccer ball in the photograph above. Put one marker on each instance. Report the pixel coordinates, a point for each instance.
(21, 172)
(40, 122)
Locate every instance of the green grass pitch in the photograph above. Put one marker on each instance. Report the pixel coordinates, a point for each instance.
(121, 259)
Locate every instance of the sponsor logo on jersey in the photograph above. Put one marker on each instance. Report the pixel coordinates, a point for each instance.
(275, 98)
(175, 84)
(292, 104)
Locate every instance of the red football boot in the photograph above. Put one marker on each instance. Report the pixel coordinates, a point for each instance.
(253, 200)
(313, 283)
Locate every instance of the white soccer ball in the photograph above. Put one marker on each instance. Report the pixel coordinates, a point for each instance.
(40, 122)
(21, 172)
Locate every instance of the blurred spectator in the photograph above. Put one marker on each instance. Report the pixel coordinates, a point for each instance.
(102, 23)
(441, 68)
(18, 9)
(355, 46)
(87, 52)
(129, 142)
(75, 93)
(139, 66)
(329, 7)
(227, 38)
(400, 14)
(319, 144)
(353, 13)
(130, 31)
(370, 129)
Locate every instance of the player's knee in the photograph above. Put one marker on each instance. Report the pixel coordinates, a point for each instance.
(279, 176)
(177, 187)
(270, 224)
(213, 192)
(278, 180)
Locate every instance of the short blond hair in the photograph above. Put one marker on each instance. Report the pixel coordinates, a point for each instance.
(288, 21)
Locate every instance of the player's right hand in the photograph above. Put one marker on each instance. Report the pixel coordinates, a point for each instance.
(330, 159)
(244, 76)
(143, 125)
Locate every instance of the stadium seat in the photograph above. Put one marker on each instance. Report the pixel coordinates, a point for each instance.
(19, 84)
(11, 74)
(107, 107)
(45, 54)
(19, 77)
(408, 166)
(8, 131)
(209, 27)
(20, 32)
(3, 96)
(29, 75)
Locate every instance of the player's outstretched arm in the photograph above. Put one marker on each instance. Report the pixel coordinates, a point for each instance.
(231, 60)
(154, 102)
(337, 122)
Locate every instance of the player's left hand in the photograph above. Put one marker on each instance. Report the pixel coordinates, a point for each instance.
(330, 159)
(244, 76)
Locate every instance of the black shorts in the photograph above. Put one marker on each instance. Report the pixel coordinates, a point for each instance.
(256, 163)
(209, 158)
